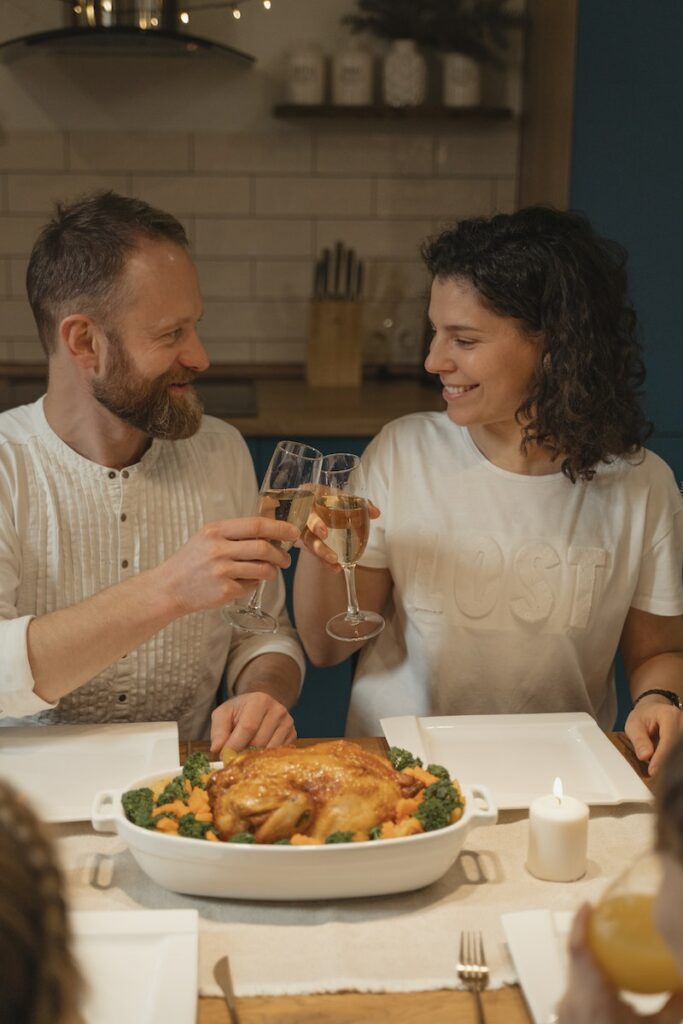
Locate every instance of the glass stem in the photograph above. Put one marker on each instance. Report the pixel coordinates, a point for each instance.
(352, 609)
(255, 599)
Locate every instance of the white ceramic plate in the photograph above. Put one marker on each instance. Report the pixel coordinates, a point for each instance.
(138, 965)
(537, 941)
(518, 756)
(60, 768)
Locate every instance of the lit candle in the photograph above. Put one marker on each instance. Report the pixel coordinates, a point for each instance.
(558, 836)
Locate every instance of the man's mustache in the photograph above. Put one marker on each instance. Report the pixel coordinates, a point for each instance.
(187, 378)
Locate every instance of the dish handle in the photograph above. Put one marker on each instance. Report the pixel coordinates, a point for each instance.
(486, 813)
(103, 815)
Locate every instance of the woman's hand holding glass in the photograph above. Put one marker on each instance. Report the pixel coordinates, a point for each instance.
(338, 531)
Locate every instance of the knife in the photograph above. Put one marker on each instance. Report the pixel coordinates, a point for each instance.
(350, 275)
(221, 972)
(325, 274)
(338, 255)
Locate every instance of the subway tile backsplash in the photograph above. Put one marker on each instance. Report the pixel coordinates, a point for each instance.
(258, 209)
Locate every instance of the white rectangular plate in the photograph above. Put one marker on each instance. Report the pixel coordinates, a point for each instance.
(537, 941)
(519, 756)
(138, 965)
(60, 768)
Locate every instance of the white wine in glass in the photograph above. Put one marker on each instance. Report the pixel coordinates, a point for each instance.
(623, 936)
(342, 505)
(286, 494)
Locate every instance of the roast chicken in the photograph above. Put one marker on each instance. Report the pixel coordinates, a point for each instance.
(315, 791)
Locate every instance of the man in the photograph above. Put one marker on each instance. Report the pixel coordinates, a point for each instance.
(126, 518)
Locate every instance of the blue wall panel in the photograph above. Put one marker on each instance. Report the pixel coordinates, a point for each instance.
(627, 177)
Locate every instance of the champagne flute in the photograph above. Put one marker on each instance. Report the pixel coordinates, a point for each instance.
(342, 505)
(286, 493)
(623, 936)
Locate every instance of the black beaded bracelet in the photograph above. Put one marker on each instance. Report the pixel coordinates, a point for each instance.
(669, 694)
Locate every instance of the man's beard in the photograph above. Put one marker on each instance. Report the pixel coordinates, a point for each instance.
(148, 404)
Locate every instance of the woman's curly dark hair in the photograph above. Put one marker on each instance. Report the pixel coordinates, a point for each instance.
(551, 272)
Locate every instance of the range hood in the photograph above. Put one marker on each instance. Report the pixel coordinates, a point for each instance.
(119, 28)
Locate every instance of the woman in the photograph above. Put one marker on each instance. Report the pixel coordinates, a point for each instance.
(39, 981)
(590, 998)
(525, 533)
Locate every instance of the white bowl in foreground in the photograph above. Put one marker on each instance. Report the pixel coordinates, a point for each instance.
(196, 867)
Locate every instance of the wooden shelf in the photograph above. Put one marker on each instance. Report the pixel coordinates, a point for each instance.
(381, 111)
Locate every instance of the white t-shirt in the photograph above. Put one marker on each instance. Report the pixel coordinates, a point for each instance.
(510, 591)
(70, 527)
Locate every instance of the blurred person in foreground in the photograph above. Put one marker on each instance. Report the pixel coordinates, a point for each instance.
(590, 997)
(126, 516)
(526, 534)
(39, 980)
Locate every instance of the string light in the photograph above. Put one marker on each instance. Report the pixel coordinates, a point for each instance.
(227, 5)
(184, 15)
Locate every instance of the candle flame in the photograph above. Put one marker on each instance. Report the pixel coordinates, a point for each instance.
(557, 790)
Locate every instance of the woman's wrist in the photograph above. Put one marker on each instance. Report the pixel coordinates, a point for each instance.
(660, 696)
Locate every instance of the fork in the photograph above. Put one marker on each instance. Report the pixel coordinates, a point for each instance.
(472, 967)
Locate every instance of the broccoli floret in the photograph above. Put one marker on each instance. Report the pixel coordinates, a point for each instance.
(174, 790)
(193, 829)
(340, 837)
(196, 765)
(432, 814)
(137, 806)
(376, 832)
(439, 800)
(443, 790)
(401, 759)
(241, 837)
(439, 771)
(282, 842)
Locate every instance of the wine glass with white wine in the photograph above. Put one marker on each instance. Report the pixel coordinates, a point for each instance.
(286, 493)
(342, 504)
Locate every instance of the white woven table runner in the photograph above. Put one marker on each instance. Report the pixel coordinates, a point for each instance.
(386, 944)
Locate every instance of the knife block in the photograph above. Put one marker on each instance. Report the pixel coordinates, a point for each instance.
(334, 354)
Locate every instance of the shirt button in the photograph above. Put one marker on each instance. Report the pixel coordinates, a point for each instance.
(122, 698)
(112, 474)
(123, 517)
(125, 474)
(124, 563)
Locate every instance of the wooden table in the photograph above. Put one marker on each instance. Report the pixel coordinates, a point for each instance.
(502, 1006)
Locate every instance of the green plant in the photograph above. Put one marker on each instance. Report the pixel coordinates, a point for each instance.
(478, 28)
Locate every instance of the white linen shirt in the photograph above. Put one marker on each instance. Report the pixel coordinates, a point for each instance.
(70, 527)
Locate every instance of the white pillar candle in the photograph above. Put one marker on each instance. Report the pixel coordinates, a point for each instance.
(558, 837)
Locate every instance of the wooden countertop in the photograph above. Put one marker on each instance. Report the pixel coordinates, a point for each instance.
(290, 408)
